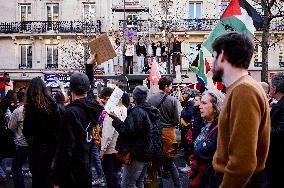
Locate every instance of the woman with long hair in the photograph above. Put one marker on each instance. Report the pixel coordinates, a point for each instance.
(41, 122)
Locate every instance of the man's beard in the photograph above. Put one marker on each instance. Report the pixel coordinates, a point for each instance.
(217, 75)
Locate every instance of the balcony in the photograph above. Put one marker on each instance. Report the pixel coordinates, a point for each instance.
(182, 25)
(55, 26)
(170, 25)
(51, 66)
(257, 64)
(25, 66)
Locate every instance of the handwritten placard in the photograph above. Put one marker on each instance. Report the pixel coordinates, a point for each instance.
(102, 48)
(113, 100)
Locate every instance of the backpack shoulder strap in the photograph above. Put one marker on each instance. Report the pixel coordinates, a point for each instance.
(163, 99)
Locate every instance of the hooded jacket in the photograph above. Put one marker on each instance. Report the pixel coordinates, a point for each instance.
(140, 133)
(73, 157)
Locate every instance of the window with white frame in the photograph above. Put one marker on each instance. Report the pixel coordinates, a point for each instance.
(89, 11)
(52, 10)
(51, 56)
(26, 56)
(25, 12)
(195, 10)
(223, 5)
(131, 20)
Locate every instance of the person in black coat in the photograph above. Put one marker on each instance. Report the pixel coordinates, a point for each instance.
(72, 165)
(7, 145)
(40, 128)
(275, 161)
(141, 136)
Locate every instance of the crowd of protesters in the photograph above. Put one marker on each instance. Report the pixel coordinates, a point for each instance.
(144, 52)
(232, 139)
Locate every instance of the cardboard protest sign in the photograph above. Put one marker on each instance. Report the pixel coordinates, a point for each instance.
(113, 100)
(102, 48)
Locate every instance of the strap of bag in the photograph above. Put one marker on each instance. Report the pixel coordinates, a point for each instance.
(163, 99)
(210, 132)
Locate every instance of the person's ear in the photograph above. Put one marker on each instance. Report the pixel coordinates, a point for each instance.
(222, 56)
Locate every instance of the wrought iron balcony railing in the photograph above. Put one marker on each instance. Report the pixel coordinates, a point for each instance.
(25, 66)
(182, 25)
(56, 26)
(170, 25)
(51, 66)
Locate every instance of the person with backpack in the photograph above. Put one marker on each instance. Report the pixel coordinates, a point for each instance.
(72, 165)
(139, 141)
(170, 110)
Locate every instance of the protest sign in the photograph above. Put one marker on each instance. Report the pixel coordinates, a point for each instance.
(113, 100)
(102, 48)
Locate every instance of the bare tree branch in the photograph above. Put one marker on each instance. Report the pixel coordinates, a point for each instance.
(278, 39)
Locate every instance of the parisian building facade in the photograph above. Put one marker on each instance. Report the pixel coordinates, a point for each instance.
(38, 38)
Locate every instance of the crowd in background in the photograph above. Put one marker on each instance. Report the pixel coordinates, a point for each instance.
(145, 52)
(232, 139)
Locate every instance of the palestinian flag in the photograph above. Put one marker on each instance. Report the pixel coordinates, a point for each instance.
(238, 16)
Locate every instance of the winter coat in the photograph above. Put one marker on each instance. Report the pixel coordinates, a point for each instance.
(275, 162)
(74, 155)
(140, 134)
(40, 128)
(205, 149)
(187, 111)
(7, 144)
(196, 122)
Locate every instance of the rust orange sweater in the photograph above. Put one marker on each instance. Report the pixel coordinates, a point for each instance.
(243, 136)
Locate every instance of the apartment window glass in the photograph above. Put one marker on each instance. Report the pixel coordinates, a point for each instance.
(132, 20)
(89, 10)
(195, 10)
(26, 56)
(25, 12)
(53, 12)
(52, 56)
